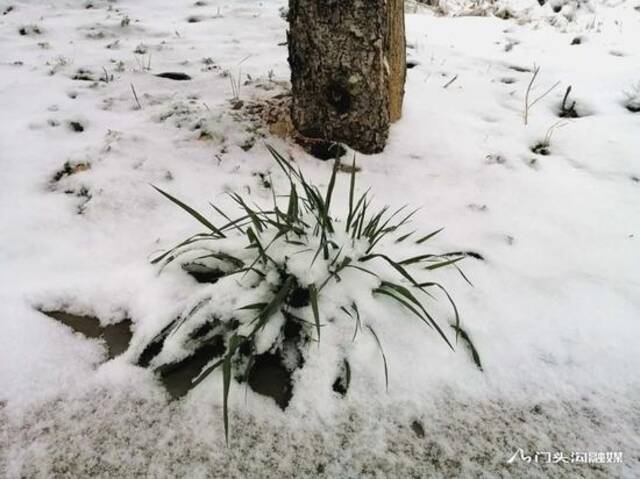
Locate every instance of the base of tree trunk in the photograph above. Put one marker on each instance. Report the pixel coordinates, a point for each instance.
(348, 66)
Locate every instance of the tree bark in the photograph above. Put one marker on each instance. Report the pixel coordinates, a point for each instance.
(396, 51)
(348, 65)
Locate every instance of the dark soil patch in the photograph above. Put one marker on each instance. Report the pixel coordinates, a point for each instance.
(418, 429)
(83, 75)
(178, 76)
(177, 378)
(85, 195)
(299, 297)
(567, 108)
(76, 126)
(264, 179)
(269, 377)
(154, 347)
(541, 149)
(202, 273)
(29, 30)
(342, 382)
(68, 169)
(116, 336)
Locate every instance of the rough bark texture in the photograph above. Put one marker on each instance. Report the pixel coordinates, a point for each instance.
(347, 61)
(396, 48)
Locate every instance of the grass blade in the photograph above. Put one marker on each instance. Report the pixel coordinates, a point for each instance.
(393, 264)
(226, 382)
(453, 304)
(444, 263)
(384, 358)
(352, 187)
(429, 236)
(191, 211)
(402, 238)
(313, 299)
(332, 182)
(470, 346)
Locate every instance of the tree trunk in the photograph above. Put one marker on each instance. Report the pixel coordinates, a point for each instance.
(348, 65)
(396, 50)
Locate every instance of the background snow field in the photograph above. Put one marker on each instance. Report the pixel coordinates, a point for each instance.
(555, 307)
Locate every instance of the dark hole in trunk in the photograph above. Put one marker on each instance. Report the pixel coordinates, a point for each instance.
(339, 97)
(326, 150)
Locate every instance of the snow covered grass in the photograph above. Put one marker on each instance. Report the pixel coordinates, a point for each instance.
(298, 250)
(555, 304)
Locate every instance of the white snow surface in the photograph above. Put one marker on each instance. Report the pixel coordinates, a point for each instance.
(555, 307)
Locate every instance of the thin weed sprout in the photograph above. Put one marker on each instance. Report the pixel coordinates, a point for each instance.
(236, 81)
(302, 224)
(551, 130)
(528, 103)
(140, 62)
(568, 110)
(543, 147)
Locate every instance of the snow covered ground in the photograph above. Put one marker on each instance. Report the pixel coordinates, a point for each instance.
(556, 305)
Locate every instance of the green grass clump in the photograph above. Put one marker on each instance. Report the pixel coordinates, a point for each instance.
(303, 221)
